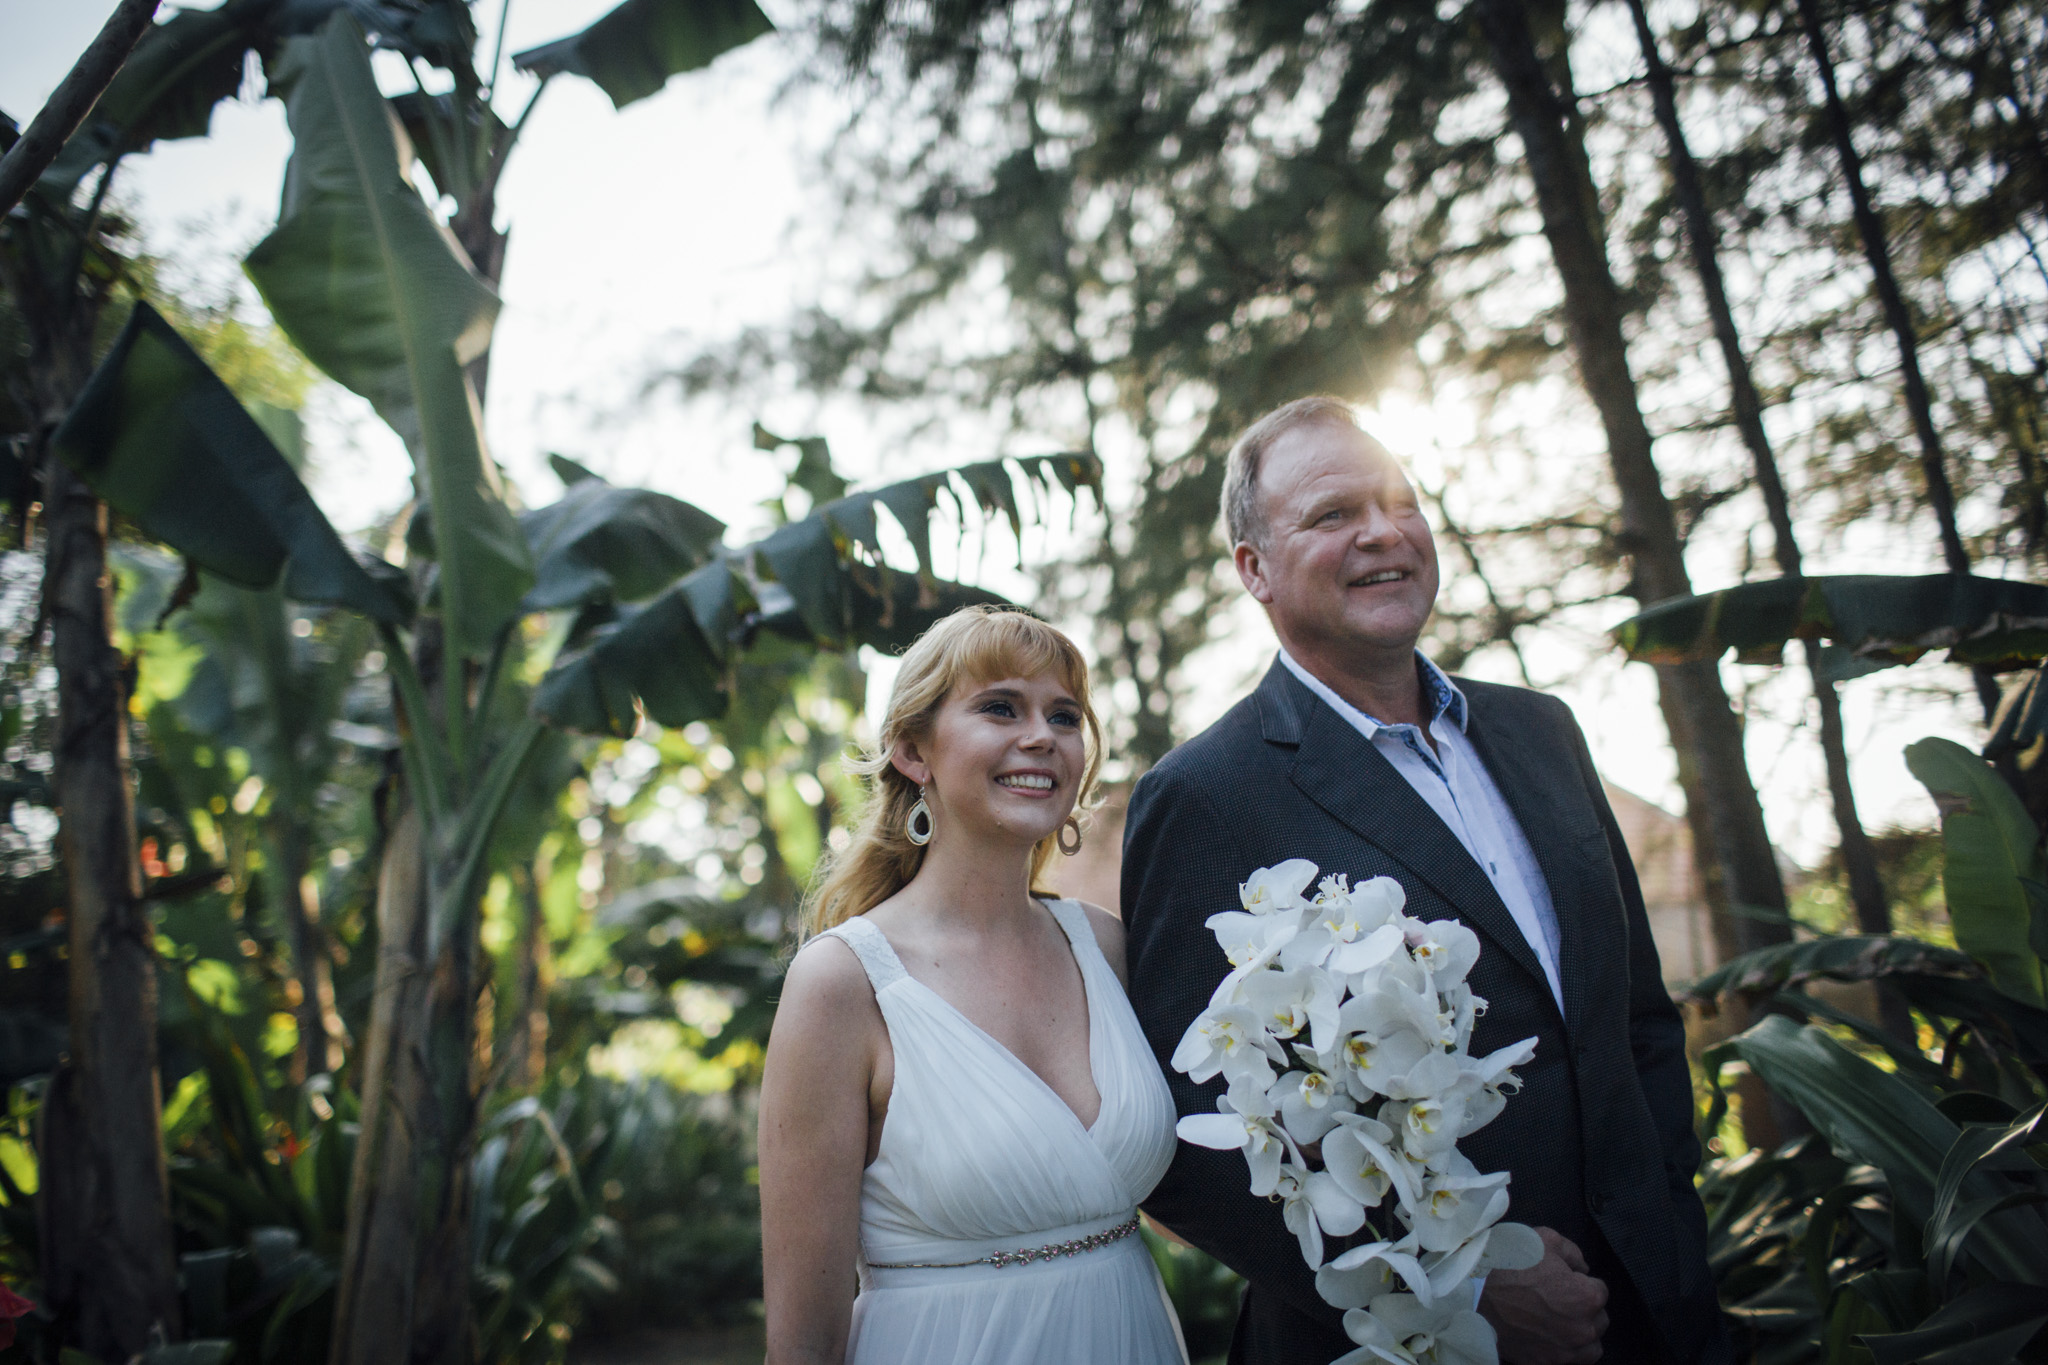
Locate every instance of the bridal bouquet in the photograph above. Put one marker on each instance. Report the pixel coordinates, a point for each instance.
(1342, 1030)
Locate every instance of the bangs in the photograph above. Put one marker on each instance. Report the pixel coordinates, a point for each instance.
(1011, 644)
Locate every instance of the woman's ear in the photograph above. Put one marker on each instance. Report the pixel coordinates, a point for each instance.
(905, 758)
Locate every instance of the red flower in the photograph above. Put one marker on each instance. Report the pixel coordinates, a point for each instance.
(12, 1306)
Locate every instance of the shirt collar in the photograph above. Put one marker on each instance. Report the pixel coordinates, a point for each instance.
(1441, 694)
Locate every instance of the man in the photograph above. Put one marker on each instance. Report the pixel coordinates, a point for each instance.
(1358, 754)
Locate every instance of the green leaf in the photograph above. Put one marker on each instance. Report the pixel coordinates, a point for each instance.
(814, 472)
(1843, 957)
(159, 436)
(1877, 1118)
(598, 543)
(1879, 618)
(189, 1353)
(1984, 1326)
(1989, 845)
(378, 295)
(631, 52)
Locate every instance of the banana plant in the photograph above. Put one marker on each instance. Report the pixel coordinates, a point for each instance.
(656, 615)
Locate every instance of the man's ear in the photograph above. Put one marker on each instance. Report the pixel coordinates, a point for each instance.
(905, 758)
(1251, 571)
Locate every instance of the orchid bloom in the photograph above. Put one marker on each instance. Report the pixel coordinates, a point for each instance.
(1312, 1204)
(1445, 948)
(1291, 1001)
(1277, 888)
(1246, 937)
(1309, 1104)
(1455, 1204)
(1360, 1153)
(1401, 1328)
(1263, 1145)
(1364, 1273)
(1231, 1040)
(1504, 1246)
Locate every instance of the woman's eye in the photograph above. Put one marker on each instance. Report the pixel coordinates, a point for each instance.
(1067, 718)
(998, 708)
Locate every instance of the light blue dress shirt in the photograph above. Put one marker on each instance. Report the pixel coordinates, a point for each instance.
(1458, 788)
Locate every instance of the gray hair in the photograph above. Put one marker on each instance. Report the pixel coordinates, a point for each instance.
(1244, 520)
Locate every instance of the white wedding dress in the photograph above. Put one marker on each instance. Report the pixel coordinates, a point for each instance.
(980, 1157)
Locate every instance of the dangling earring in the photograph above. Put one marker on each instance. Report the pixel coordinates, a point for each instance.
(1061, 839)
(919, 826)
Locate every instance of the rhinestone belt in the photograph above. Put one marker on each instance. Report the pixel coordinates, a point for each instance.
(1091, 1242)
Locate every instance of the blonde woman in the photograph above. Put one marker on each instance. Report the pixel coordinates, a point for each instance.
(959, 1113)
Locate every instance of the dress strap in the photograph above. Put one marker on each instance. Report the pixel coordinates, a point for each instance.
(1073, 921)
(871, 946)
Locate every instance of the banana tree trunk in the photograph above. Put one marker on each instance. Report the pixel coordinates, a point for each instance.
(319, 1047)
(105, 1208)
(1877, 251)
(1859, 860)
(1726, 814)
(373, 1312)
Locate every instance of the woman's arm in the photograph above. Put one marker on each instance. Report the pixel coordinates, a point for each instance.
(822, 1058)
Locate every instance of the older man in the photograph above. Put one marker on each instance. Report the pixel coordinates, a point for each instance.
(1358, 753)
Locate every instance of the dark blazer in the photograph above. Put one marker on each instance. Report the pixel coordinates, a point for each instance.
(1599, 1141)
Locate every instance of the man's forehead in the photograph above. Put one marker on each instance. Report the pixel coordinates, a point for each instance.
(1310, 460)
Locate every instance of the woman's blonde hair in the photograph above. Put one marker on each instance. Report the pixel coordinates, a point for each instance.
(979, 644)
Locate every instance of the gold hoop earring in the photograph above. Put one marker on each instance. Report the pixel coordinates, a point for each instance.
(919, 827)
(1061, 838)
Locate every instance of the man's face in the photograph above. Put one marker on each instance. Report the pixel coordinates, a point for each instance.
(1348, 559)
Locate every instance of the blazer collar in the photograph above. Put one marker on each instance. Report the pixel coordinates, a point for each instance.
(1339, 770)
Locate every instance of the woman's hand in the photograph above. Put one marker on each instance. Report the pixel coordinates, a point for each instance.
(827, 1047)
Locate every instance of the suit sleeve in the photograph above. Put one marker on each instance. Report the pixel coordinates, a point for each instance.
(1656, 1030)
(1183, 864)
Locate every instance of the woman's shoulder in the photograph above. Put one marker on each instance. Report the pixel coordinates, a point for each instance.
(826, 976)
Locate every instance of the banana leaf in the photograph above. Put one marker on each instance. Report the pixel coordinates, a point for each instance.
(1847, 957)
(377, 294)
(1990, 848)
(1879, 618)
(820, 580)
(160, 438)
(599, 543)
(1983, 1326)
(631, 52)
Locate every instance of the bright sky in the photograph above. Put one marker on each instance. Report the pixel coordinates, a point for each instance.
(698, 212)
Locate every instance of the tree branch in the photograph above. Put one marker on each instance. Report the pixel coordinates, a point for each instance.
(73, 99)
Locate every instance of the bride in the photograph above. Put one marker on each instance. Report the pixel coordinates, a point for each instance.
(959, 1113)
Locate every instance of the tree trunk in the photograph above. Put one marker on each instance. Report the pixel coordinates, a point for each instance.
(1877, 250)
(108, 1264)
(1724, 810)
(373, 1311)
(1859, 860)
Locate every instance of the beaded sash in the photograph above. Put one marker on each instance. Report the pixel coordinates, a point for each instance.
(1026, 1255)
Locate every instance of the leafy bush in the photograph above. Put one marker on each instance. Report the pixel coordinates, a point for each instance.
(1912, 1224)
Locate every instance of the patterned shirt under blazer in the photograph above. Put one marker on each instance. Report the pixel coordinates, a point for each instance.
(1599, 1141)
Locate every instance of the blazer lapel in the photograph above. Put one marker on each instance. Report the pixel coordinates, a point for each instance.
(1336, 768)
(1543, 804)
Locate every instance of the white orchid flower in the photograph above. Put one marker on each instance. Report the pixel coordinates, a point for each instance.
(1277, 888)
(1230, 1039)
(1245, 937)
(1385, 1034)
(1288, 1002)
(1379, 900)
(1309, 1103)
(1489, 1081)
(1402, 1329)
(1263, 1145)
(1312, 1204)
(1252, 1097)
(1364, 1273)
(1360, 1155)
(1355, 956)
(1454, 1205)
(1445, 948)
(1504, 1246)
(1461, 1010)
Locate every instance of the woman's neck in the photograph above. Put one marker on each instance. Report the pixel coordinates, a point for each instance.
(973, 883)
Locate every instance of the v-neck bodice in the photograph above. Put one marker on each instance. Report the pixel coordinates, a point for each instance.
(978, 1153)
